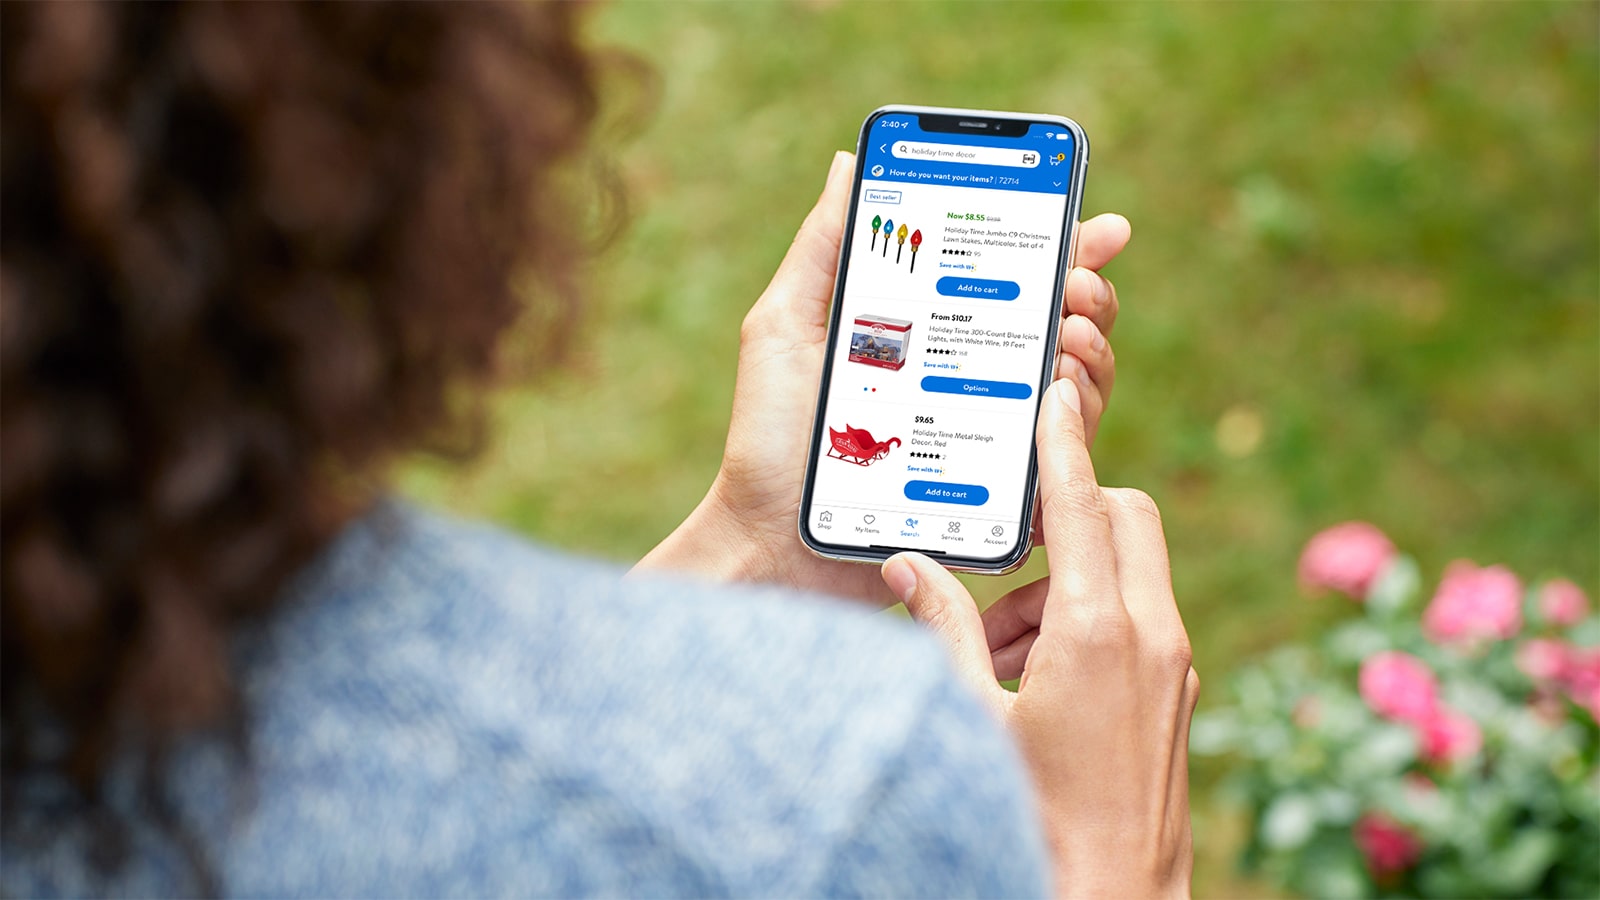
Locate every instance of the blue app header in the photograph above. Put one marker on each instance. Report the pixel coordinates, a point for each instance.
(1039, 161)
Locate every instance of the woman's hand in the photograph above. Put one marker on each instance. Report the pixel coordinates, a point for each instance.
(1102, 713)
(745, 528)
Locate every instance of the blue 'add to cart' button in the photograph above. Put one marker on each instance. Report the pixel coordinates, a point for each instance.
(939, 384)
(981, 288)
(945, 492)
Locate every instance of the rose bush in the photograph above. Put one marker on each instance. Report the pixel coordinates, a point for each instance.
(1449, 751)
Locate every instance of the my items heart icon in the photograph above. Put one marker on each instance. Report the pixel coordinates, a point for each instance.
(869, 519)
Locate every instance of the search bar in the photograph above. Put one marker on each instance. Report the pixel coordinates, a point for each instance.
(966, 153)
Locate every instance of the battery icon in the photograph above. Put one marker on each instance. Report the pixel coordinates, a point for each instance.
(1062, 136)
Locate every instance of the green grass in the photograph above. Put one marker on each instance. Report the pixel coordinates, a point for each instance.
(1363, 281)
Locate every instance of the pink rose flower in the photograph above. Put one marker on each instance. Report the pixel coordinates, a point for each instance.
(1347, 558)
(1388, 846)
(1542, 659)
(1473, 603)
(1589, 699)
(1447, 736)
(1399, 686)
(1580, 678)
(1561, 602)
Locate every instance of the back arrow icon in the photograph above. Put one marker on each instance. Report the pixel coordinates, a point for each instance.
(883, 148)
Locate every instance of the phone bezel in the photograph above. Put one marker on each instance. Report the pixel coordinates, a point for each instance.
(1080, 148)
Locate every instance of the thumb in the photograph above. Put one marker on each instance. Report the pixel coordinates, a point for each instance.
(806, 274)
(941, 603)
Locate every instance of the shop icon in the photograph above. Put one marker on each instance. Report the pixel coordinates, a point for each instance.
(825, 517)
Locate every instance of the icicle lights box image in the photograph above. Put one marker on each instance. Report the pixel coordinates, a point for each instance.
(878, 341)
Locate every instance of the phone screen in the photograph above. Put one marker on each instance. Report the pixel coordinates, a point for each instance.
(945, 312)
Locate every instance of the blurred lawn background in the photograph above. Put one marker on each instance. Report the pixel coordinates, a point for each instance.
(1364, 280)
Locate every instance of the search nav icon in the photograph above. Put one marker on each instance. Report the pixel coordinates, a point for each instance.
(966, 153)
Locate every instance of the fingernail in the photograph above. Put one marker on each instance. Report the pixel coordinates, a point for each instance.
(1079, 273)
(833, 168)
(1098, 342)
(1067, 393)
(1083, 376)
(1102, 291)
(900, 577)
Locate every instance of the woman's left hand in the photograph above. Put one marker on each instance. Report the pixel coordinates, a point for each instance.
(746, 527)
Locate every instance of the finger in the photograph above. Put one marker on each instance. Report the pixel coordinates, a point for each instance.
(1100, 240)
(1011, 660)
(1188, 699)
(1080, 338)
(1015, 614)
(1092, 401)
(805, 277)
(1088, 293)
(1077, 524)
(1178, 784)
(1146, 576)
(938, 601)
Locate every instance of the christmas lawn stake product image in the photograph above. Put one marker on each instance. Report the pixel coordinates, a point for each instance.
(880, 341)
(888, 229)
(901, 234)
(916, 241)
(877, 222)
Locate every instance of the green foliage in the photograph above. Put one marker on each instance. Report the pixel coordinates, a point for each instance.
(1310, 758)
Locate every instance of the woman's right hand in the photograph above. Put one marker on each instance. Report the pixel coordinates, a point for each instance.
(1107, 690)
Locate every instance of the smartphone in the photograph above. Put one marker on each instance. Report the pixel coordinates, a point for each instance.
(943, 336)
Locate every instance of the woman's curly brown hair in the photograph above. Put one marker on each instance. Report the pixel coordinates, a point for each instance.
(250, 253)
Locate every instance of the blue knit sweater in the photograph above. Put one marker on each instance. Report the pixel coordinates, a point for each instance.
(439, 709)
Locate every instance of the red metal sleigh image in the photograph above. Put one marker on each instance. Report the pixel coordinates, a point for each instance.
(855, 445)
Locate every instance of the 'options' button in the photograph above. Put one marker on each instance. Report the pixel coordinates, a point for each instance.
(981, 288)
(946, 492)
(972, 387)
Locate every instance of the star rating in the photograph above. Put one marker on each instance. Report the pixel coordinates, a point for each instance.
(949, 252)
(927, 456)
(941, 352)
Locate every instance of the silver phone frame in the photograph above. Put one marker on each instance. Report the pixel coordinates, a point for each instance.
(1069, 248)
